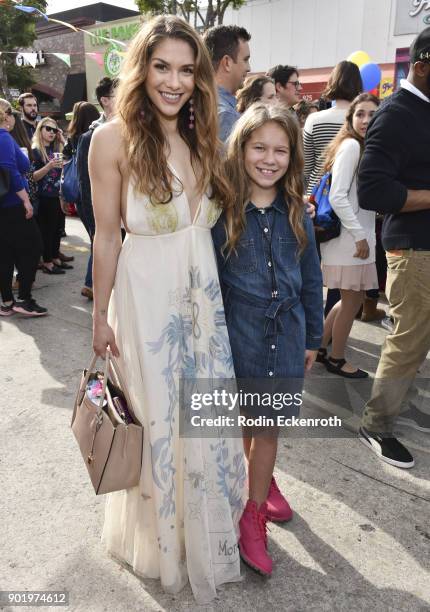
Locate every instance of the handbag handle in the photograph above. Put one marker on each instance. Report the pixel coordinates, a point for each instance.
(111, 368)
(90, 371)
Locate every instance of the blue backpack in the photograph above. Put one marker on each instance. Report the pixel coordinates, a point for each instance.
(69, 187)
(327, 223)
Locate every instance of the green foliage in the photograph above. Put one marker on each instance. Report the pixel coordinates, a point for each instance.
(203, 16)
(156, 7)
(17, 30)
(19, 77)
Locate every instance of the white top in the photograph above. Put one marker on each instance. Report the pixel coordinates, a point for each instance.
(320, 129)
(405, 84)
(357, 223)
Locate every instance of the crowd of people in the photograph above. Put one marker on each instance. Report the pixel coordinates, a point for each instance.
(34, 154)
(207, 173)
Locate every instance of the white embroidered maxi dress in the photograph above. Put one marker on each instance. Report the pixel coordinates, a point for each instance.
(166, 309)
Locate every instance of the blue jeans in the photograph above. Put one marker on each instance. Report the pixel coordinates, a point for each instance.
(89, 274)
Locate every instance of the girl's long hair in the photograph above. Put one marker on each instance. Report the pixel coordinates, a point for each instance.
(37, 142)
(146, 142)
(251, 91)
(19, 134)
(291, 184)
(84, 113)
(346, 131)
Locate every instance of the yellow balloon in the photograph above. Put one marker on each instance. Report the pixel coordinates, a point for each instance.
(359, 57)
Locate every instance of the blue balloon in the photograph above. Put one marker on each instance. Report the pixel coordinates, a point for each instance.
(370, 75)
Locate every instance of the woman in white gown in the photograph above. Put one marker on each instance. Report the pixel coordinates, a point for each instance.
(158, 305)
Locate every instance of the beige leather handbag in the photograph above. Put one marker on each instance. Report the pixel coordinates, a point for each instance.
(109, 436)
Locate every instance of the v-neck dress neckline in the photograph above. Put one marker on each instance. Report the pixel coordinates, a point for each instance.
(195, 216)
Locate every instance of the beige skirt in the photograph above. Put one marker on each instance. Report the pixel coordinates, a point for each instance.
(356, 278)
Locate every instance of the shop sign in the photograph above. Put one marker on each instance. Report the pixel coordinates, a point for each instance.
(412, 16)
(386, 87)
(419, 6)
(112, 61)
(123, 32)
(21, 60)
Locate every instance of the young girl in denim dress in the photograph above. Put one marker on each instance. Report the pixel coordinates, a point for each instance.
(272, 287)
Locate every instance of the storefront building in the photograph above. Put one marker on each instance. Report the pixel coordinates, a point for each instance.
(311, 34)
(103, 58)
(58, 85)
(316, 34)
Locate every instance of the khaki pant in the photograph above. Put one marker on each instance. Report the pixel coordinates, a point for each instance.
(408, 292)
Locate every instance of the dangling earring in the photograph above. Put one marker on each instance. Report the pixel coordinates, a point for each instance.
(191, 124)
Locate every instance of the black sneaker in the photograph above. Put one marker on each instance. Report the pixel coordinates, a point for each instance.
(415, 419)
(6, 310)
(389, 449)
(30, 308)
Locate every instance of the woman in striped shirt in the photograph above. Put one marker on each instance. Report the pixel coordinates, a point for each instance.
(343, 86)
(320, 128)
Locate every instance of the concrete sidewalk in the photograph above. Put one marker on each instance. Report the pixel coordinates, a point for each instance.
(359, 540)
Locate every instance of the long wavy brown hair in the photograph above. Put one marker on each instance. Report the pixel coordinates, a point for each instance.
(83, 114)
(346, 131)
(291, 184)
(146, 142)
(251, 91)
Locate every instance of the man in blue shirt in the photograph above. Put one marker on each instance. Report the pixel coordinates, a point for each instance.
(229, 50)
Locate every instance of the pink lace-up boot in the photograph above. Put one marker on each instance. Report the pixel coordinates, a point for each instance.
(278, 509)
(253, 538)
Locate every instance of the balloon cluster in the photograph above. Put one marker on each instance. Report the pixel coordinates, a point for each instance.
(370, 72)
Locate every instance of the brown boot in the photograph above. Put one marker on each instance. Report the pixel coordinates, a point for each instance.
(87, 292)
(371, 312)
(66, 258)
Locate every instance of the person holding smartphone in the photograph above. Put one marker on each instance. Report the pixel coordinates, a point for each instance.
(48, 161)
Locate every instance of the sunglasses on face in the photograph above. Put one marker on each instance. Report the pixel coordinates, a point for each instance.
(9, 111)
(48, 128)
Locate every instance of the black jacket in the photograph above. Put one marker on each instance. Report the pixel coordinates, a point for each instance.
(397, 158)
(84, 182)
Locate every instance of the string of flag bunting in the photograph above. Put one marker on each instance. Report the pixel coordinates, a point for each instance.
(30, 58)
(32, 10)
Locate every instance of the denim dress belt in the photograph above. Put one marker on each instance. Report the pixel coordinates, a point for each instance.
(274, 308)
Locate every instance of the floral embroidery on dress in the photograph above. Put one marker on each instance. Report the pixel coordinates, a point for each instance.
(213, 212)
(162, 218)
(198, 347)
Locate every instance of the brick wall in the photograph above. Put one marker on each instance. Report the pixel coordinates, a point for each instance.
(54, 72)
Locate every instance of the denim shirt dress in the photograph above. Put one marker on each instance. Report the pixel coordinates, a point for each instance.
(272, 296)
